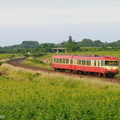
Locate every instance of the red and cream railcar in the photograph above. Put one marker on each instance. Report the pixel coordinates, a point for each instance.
(106, 66)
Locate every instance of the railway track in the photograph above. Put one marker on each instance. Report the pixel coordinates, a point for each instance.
(19, 63)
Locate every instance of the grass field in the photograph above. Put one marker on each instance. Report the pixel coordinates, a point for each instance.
(4, 57)
(26, 94)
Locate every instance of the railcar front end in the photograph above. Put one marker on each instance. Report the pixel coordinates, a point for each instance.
(109, 68)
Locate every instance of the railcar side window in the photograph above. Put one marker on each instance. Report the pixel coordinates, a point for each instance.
(78, 62)
(71, 61)
(67, 61)
(102, 63)
(98, 63)
(54, 60)
(116, 63)
(83, 62)
(111, 63)
(63, 61)
(88, 62)
(57, 60)
(60, 60)
(94, 62)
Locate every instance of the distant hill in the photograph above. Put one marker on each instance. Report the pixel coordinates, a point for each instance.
(29, 44)
(24, 45)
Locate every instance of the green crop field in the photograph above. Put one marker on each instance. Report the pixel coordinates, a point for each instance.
(9, 56)
(31, 95)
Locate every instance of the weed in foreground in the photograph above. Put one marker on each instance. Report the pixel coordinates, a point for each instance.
(30, 95)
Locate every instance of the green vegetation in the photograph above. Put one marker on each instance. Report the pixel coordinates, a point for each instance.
(36, 49)
(1, 63)
(34, 95)
(43, 96)
(6, 56)
(38, 62)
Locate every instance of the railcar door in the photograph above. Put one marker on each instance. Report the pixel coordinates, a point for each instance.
(71, 63)
(97, 66)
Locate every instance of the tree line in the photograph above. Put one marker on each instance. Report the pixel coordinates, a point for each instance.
(33, 47)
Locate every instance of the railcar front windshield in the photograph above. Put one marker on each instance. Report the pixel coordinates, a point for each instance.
(109, 63)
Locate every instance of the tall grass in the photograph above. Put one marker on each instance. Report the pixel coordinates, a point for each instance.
(34, 95)
(5, 57)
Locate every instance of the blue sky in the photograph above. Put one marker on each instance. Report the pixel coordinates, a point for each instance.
(53, 21)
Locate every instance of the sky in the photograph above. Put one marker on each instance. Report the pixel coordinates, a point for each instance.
(53, 21)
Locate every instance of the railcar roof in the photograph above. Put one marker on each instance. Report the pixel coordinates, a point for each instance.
(62, 56)
(95, 57)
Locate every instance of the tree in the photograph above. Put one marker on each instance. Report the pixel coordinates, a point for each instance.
(70, 41)
(87, 42)
(71, 45)
(29, 44)
(97, 43)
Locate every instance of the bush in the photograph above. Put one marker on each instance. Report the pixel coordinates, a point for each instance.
(35, 61)
(35, 55)
(1, 63)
